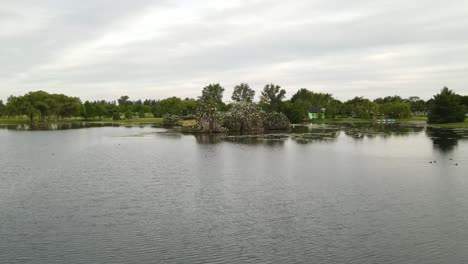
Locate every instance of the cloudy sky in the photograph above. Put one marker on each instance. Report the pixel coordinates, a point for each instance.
(101, 49)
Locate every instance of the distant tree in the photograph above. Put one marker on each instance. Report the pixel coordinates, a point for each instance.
(123, 100)
(272, 97)
(296, 111)
(175, 106)
(464, 101)
(395, 109)
(306, 99)
(320, 100)
(213, 93)
(389, 99)
(359, 107)
(66, 106)
(89, 110)
(243, 93)
(446, 108)
(2, 108)
(418, 106)
(128, 114)
(333, 108)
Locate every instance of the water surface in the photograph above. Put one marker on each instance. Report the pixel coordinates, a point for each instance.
(114, 194)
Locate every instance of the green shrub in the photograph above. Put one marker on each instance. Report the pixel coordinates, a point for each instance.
(170, 120)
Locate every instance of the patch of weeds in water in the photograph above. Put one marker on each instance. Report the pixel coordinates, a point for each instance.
(315, 137)
(139, 135)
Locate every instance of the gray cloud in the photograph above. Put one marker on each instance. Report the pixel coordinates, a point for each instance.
(103, 49)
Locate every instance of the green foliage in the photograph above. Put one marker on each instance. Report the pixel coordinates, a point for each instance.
(175, 106)
(272, 97)
(128, 114)
(395, 110)
(389, 99)
(296, 111)
(89, 110)
(319, 100)
(2, 108)
(43, 105)
(333, 108)
(446, 108)
(213, 93)
(170, 120)
(464, 101)
(123, 101)
(359, 107)
(417, 105)
(243, 93)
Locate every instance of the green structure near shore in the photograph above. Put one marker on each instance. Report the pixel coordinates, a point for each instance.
(316, 113)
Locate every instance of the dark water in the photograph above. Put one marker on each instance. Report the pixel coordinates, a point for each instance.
(143, 195)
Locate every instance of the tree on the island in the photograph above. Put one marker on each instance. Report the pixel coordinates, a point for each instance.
(243, 93)
(446, 108)
(209, 119)
(213, 93)
(244, 117)
(272, 97)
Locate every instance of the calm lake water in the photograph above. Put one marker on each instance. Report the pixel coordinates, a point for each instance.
(320, 195)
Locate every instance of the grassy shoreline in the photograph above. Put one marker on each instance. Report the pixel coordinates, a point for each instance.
(451, 125)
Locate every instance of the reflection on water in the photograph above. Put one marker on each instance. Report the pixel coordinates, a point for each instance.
(64, 126)
(313, 133)
(381, 130)
(110, 195)
(446, 140)
(208, 138)
(268, 139)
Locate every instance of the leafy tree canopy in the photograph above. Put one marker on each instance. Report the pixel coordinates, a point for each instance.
(243, 93)
(213, 93)
(446, 108)
(272, 97)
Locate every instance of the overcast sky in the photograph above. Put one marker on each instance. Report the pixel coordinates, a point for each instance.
(101, 49)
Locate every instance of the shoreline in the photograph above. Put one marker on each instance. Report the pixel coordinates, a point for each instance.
(191, 123)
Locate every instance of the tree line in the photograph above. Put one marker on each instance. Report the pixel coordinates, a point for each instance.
(40, 106)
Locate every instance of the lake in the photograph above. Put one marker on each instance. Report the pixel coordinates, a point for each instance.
(323, 194)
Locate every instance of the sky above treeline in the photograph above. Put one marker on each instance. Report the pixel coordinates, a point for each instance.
(102, 49)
